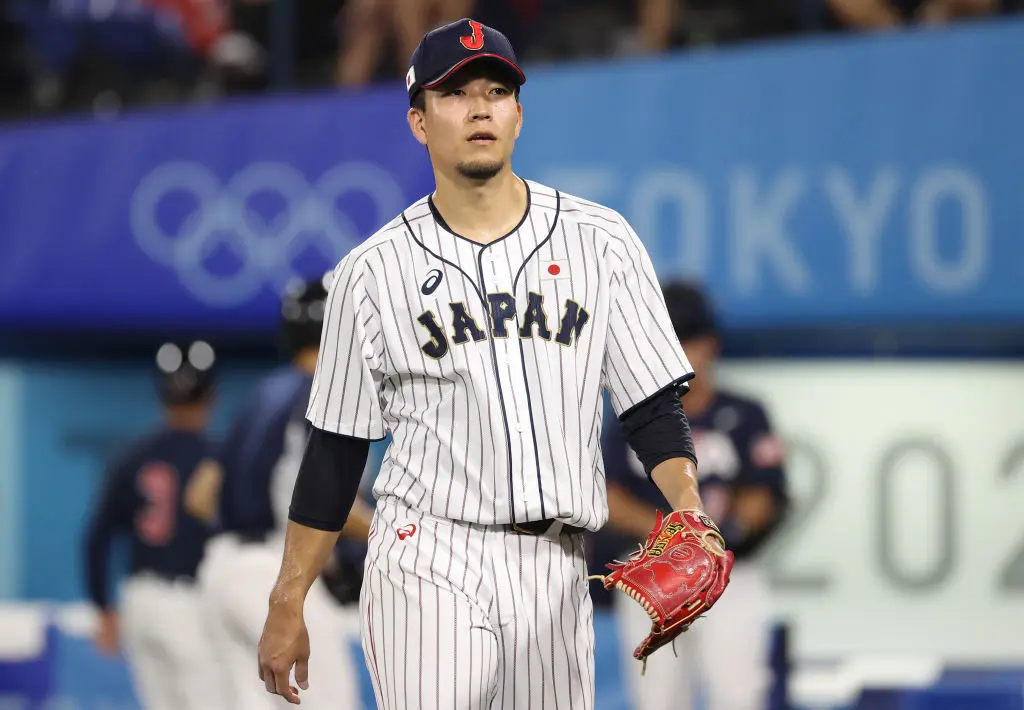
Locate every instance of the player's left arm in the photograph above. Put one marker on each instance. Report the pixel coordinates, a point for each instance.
(111, 514)
(658, 431)
(646, 371)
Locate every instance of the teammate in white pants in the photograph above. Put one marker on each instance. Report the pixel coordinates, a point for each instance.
(479, 328)
(247, 488)
(158, 620)
(724, 655)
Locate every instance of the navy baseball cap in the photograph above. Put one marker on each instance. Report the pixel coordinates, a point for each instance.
(446, 49)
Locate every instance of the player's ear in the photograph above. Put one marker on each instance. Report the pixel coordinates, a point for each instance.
(519, 121)
(417, 125)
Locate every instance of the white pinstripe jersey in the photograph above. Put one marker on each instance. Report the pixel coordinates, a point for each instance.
(487, 362)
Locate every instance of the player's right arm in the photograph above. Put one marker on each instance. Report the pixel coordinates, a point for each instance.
(325, 490)
(344, 409)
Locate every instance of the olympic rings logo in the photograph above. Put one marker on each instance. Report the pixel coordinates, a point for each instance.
(224, 216)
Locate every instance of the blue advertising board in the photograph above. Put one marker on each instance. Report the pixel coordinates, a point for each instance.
(198, 217)
(863, 180)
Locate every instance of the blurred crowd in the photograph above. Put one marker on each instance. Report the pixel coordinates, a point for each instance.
(99, 56)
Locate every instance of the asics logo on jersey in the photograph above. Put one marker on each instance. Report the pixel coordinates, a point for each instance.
(432, 282)
(503, 307)
(406, 531)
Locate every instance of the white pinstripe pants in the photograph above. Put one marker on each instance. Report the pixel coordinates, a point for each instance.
(458, 616)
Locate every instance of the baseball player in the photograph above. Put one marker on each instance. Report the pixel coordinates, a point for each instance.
(246, 487)
(743, 488)
(158, 620)
(479, 328)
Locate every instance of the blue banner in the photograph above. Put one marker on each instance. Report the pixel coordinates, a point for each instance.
(868, 180)
(198, 217)
(859, 180)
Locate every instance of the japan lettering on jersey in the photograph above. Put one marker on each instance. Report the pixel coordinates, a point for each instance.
(487, 362)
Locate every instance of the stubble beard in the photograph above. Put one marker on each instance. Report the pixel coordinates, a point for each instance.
(481, 171)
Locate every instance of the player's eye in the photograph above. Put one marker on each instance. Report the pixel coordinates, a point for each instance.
(501, 91)
(454, 92)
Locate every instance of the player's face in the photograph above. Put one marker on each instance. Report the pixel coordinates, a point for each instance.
(470, 124)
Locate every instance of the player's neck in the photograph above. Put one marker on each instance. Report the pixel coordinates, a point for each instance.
(481, 211)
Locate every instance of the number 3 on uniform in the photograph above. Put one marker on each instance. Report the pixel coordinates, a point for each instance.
(158, 484)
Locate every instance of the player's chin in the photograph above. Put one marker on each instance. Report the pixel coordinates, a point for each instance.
(480, 169)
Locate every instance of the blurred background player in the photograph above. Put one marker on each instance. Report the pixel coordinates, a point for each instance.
(725, 655)
(246, 489)
(158, 621)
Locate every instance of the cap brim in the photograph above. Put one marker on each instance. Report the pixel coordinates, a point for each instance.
(514, 70)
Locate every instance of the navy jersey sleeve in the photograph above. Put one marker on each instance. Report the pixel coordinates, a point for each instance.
(113, 514)
(253, 450)
(227, 451)
(245, 494)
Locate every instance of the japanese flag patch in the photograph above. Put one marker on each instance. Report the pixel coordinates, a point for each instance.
(554, 270)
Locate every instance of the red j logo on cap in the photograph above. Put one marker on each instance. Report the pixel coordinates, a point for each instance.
(475, 40)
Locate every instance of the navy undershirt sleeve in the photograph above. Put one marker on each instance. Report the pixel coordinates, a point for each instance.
(113, 509)
(328, 481)
(658, 430)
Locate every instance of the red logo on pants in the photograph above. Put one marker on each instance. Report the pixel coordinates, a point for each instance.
(406, 531)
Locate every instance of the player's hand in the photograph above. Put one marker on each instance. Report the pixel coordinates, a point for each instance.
(107, 633)
(285, 643)
(677, 575)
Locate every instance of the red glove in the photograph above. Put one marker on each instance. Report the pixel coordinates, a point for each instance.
(676, 576)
